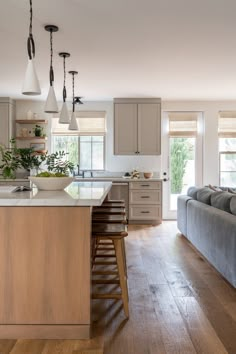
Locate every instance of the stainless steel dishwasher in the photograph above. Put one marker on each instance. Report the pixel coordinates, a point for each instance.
(120, 190)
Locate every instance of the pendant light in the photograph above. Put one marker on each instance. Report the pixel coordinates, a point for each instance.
(51, 103)
(31, 83)
(73, 122)
(64, 115)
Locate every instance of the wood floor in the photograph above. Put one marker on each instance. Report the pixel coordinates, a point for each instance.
(178, 304)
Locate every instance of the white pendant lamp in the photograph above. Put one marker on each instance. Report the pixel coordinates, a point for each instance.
(73, 122)
(31, 85)
(64, 115)
(51, 105)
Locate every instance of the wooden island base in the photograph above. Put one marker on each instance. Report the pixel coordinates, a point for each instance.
(45, 272)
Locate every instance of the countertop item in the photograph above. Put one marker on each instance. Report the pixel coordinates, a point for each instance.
(76, 194)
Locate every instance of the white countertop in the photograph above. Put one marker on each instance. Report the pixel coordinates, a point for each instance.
(76, 194)
(118, 179)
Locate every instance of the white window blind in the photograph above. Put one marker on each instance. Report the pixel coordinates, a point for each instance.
(183, 124)
(227, 124)
(90, 123)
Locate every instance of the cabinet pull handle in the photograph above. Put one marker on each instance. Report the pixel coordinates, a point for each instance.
(145, 212)
(145, 196)
(145, 185)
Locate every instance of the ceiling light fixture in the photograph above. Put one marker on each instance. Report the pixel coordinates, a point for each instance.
(73, 122)
(64, 115)
(31, 83)
(51, 103)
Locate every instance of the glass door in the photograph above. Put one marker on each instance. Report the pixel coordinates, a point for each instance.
(182, 157)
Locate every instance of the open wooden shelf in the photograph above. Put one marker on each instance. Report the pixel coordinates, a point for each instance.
(30, 138)
(31, 121)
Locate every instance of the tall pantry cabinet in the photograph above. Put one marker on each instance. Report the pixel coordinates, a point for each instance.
(137, 126)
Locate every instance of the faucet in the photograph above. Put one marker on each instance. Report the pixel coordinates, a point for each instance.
(83, 172)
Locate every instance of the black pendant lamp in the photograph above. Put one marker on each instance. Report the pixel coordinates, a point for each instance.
(51, 103)
(31, 83)
(64, 115)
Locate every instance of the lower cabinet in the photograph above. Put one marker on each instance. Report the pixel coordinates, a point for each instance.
(145, 202)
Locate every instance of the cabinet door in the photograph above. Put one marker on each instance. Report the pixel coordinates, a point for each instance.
(149, 129)
(125, 128)
(4, 123)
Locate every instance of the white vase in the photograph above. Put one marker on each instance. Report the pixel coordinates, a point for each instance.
(30, 115)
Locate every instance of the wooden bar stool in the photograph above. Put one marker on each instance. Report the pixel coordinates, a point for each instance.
(99, 245)
(112, 205)
(109, 211)
(116, 233)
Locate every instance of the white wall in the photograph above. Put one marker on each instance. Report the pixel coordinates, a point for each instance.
(210, 111)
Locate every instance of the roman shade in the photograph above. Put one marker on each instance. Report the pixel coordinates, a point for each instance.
(89, 122)
(183, 124)
(227, 124)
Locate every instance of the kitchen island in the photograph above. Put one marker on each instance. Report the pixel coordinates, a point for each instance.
(45, 243)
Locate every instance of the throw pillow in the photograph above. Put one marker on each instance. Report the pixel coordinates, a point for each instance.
(221, 200)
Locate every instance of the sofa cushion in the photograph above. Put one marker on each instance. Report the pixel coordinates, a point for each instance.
(192, 192)
(221, 200)
(204, 195)
(233, 205)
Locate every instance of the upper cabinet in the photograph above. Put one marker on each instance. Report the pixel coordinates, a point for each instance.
(137, 128)
(7, 120)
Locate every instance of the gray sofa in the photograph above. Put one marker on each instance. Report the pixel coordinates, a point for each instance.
(207, 219)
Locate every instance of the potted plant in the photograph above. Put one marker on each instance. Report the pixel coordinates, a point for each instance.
(38, 131)
(9, 162)
(57, 175)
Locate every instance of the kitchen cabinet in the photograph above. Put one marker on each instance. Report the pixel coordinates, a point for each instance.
(137, 126)
(7, 120)
(145, 202)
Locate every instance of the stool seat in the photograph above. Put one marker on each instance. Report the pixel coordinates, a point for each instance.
(101, 210)
(109, 219)
(114, 201)
(109, 230)
(112, 205)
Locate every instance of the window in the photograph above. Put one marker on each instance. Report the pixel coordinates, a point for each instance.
(227, 148)
(85, 147)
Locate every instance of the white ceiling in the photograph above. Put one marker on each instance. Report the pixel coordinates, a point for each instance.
(173, 49)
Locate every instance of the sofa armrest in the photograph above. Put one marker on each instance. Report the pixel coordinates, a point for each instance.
(182, 213)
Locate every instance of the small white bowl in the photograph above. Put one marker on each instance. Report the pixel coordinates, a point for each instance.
(51, 183)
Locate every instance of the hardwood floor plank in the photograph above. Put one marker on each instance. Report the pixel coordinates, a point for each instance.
(202, 333)
(25, 346)
(6, 345)
(175, 335)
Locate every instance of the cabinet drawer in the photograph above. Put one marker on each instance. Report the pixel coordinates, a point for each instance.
(145, 185)
(142, 212)
(145, 197)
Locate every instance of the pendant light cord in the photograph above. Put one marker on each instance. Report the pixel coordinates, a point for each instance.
(51, 73)
(73, 91)
(30, 40)
(64, 84)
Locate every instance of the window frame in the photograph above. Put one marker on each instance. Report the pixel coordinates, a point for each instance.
(78, 138)
(104, 153)
(220, 171)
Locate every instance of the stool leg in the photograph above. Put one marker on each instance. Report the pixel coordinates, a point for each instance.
(121, 269)
(124, 255)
